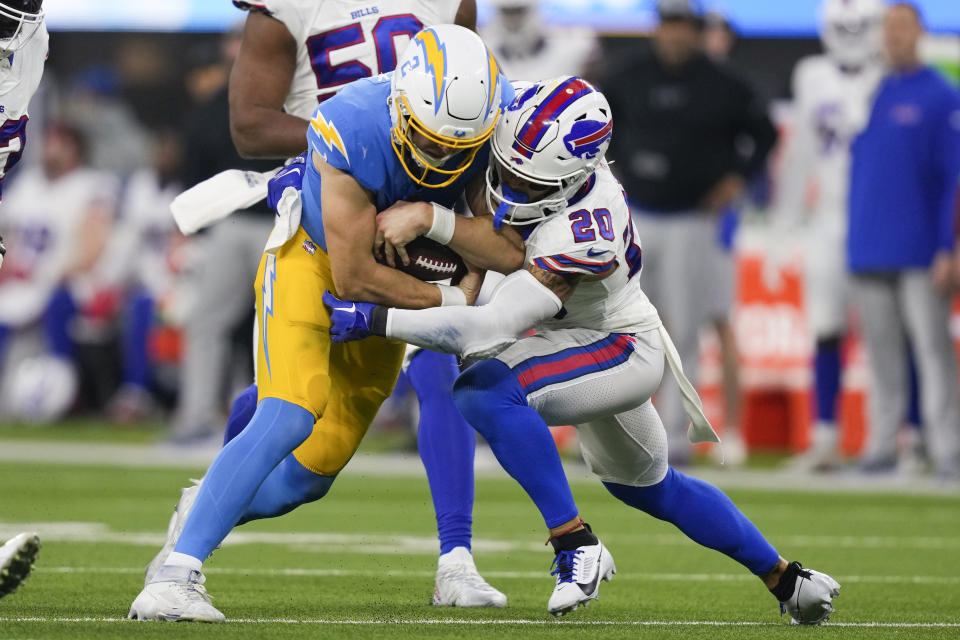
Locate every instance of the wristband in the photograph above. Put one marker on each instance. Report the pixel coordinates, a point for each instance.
(443, 226)
(452, 296)
(378, 320)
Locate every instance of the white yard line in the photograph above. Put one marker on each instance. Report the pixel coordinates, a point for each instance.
(508, 575)
(383, 544)
(521, 621)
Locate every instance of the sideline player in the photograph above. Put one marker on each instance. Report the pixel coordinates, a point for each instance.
(833, 93)
(23, 49)
(595, 361)
(294, 54)
(417, 133)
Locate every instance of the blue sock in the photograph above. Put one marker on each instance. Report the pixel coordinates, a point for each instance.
(826, 373)
(287, 487)
(705, 514)
(56, 323)
(240, 413)
(914, 419)
(446, 443)
(493, 402)
(138, 316)
(235, 476)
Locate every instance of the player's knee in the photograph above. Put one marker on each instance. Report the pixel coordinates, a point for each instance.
(280, 423)
(653, 499)
(484, 388)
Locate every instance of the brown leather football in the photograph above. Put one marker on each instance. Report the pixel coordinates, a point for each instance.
(431, 261)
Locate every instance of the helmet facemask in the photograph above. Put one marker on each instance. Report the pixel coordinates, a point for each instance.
(17, 26)
(531, 199)
(422, 167)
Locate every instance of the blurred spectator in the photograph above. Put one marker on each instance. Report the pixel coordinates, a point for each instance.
(140, 261)
(689, 135)
(719, 38)
(57, 218)
(229, 253)
(529, 49)
(117, 141)
(832, 94)
(901, 245)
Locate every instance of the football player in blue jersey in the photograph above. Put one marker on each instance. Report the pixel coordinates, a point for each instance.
(419, 133)
(294, 55)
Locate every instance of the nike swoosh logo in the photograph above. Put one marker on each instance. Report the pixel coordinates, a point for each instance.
(591, 588)
(594, 254)
(297, 169)
(351, 309)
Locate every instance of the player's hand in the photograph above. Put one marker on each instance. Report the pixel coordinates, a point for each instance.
(290, 177)
(348, 320)
(942, 272)
(397, 226)
(724, 193)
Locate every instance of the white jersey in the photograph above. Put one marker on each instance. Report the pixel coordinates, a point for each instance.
(339, 41)
(141, 242)
(831, 107)
(43, 221)
(593, 237)
(20, 75)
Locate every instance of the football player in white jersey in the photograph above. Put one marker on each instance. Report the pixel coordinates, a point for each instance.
(529, 49)
(832, 96)
(23, 51)
(595, 361)
(23, 48)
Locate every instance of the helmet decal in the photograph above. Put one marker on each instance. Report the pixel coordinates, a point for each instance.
(435, 60)
(586, 137)
(544, 115)
(493, 78)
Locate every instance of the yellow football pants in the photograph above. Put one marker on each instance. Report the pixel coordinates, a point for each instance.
(343, 385)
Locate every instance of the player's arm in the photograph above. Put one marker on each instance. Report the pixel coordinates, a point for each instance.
(259, 84)
(467, 14)
(520, 302)
(349, 223)
(475, 239)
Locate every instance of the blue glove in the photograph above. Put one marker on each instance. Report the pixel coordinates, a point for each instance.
(350, 320)
(290, 176)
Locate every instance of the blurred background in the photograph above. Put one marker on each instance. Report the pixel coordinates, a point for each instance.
(93, 343)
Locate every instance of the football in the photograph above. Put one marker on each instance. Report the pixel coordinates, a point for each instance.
(431, 261)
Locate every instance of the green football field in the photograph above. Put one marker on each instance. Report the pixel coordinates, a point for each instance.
(359, 564)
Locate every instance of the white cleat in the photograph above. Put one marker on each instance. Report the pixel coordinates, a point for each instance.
(187, 497)
(579, 573)
(183, 599)
(459, 584)
(811, 596)
(16, 560)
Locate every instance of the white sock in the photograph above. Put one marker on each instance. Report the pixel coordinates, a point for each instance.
(183, 560)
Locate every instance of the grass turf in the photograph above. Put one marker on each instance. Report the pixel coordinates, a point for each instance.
(898, 557)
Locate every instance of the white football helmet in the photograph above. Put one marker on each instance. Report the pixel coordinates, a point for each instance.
(19, 21)
(851, 30)
(548, 143)
(446, 88)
